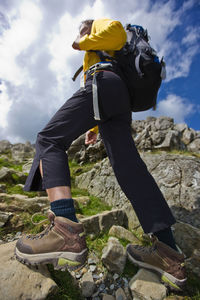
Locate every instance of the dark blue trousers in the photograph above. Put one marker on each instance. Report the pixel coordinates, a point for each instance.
(73, 119)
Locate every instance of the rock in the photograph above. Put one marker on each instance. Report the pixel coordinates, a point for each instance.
(157, 137)
(27, 166)
(122, 233)
(21, 152)
(180, 127)
(188, 136)
(19, 282)
(76, 146)
(187, 237)
(103, 221)
(170, 142)
(113, 217)
(192, 264)
(18, 203)
(133, 221)
(2, 188)
(5, 146)
(4, 217)
(145, 285)
(178, 177)
(91, 225)
(93, 268)
(194, 146)
(114, 256)
(120, 295)
(88, 286)
(11, 176)
(108, 297)
(163, 123)
(79, 152)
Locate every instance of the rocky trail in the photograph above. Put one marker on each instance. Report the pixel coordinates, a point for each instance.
(109, 221)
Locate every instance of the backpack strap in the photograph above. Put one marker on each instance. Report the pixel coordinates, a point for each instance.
(77, 73)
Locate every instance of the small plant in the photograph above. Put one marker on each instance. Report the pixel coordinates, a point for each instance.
(67, 287)
(94, 207)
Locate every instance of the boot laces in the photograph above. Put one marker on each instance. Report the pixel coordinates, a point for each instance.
(45, 231)
(144, 249)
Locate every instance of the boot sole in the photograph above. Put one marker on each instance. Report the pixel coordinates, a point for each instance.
(172, 282)
(60, 260)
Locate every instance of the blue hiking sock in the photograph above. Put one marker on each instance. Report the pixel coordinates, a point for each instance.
(64, 208)
(166, 236)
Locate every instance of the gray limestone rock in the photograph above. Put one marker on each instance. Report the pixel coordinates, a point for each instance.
(5, 146)
(187, 237)
(122, 233)
(20, 282)
(27, 166)
(170, 142)
(194, 146)
(88, 286)
(114, 256)
(188, 136)
(12, 176)
(4, 217)
(104, 221)
(192, 264)
(178, 177)
(180, 127)
(21, 152)
(120, 294)
(145, 285)
(163, 123)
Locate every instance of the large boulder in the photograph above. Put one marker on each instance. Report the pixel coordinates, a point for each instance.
(21, 152)
(20, 282)
(178, 177)
(5, 146)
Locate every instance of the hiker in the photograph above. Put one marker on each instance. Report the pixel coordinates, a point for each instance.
(62, 243)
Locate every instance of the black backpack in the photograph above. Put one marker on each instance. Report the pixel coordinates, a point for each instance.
(139, 67)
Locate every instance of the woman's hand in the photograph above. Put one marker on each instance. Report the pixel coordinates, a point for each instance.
(90, 137)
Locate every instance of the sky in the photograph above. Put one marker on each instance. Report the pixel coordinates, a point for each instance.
(37, 61)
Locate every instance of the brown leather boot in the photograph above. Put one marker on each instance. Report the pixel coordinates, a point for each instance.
(162, 259)
(62, 244)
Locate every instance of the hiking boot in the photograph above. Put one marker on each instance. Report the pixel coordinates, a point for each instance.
(62, 244)
(162, 259)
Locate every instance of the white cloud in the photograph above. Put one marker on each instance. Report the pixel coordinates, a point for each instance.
(173, 106)
(22, 33)
(5, 104)
(192, 36)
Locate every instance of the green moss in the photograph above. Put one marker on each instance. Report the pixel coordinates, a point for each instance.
(16, 189)
(98, 243)
(9, 164)
(67, 288)
(94, 207)
(76, 192)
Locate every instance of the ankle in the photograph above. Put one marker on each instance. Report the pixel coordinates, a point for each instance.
(64, 208)
(166, 236)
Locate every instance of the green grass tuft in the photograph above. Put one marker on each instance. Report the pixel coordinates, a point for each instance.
(16, 189)
(68, 289)
(94, 207)
(8, 164)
